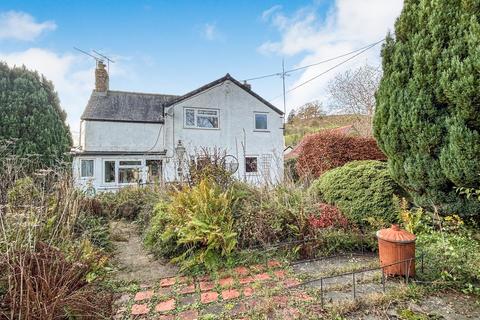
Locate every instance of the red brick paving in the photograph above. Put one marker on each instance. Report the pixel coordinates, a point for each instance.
(188, 289)
(291, 283)
(143, 295)
(165, 306)
(167, 282)
(230, 294)
(241, 271)
(273, 264)
(226, 282)
(165, 291)
(138, 309)
(247, 291)
(208, 297)
(206, 285)
(261, 277)
(280, 274)
(188, 315)
(246, 280)
(182, 279)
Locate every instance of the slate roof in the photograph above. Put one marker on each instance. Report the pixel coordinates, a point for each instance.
(126, 106)
(217, 82)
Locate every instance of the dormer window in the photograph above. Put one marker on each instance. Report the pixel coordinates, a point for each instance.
(201, 118)
(261, 121)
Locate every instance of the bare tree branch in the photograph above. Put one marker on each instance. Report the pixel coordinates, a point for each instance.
(353, 92)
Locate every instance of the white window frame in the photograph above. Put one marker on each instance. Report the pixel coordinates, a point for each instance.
(255, 121)
(103, 171)
(93, 169)
(245, 164)
(119, 166)
(196, 118)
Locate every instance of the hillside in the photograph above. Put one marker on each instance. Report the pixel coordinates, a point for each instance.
(295, 131)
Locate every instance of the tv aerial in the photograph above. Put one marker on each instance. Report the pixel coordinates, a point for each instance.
(99, 57)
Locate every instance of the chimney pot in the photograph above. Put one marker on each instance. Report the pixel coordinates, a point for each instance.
(101, 77)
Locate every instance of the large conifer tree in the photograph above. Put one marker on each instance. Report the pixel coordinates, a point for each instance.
(31, 116)
(427, 119)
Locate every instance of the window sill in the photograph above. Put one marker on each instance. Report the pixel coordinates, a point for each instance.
(196, 128)
(259, 130)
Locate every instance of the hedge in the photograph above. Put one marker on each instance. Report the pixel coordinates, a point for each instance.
(327, 150)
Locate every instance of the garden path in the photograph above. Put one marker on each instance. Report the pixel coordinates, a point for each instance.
(268, 289)
(133, 261)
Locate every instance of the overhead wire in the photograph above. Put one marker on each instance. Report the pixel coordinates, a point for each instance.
(315, 63)
(330, 69)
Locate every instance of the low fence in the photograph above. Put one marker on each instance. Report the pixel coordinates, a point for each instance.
(407, 264)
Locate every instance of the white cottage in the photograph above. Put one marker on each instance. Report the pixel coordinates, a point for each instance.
(136, 138)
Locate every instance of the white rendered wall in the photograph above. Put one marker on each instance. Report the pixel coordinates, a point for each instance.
(236, 131)
(122, 136)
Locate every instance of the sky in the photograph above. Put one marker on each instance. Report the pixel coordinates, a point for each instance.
(173, 47)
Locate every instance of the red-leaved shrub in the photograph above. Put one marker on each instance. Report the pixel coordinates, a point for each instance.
(327, 150)
(330, 216)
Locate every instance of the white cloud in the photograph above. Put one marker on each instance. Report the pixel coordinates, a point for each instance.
(210, 31)
(268, 13)
(349, 25)
(72, 75)
(22, 26)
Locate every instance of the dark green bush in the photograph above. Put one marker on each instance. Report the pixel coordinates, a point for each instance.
(427, 118)
(361, 190)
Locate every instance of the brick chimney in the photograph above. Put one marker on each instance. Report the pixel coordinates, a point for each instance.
(247, 85)
(101, 77)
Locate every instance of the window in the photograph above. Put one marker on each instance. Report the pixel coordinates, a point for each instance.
(154, 168)
(130, 163)
(251, 164)
(129, 171)
(189, 117)
(86, 169)
(201, 118)
(109, 171)
(261, 121)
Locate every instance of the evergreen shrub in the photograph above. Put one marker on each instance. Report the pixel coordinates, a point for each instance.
(361, 190)
(427, 118)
